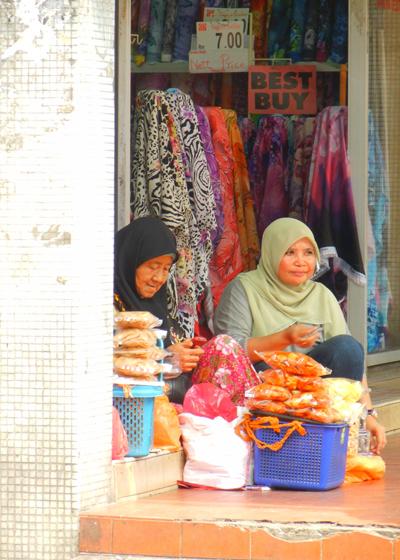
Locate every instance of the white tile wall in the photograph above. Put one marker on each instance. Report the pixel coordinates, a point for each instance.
(56, 261)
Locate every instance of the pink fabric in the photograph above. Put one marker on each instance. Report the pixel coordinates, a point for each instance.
(226, 365)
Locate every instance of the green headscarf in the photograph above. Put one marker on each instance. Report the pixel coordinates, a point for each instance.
(275, 305)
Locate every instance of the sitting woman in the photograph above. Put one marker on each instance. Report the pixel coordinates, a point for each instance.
(279, 307)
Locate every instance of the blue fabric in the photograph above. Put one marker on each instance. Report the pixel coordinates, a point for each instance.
(343, 354)
(339, 33)
(186, 16)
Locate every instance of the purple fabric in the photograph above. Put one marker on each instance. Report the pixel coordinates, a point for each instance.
(205, 133)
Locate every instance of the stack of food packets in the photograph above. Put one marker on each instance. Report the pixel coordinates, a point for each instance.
(136, 353)
(296, 387)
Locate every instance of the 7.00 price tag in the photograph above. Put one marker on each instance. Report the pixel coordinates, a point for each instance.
(219, 35)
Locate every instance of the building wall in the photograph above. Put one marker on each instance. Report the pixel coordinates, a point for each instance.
(56, 254)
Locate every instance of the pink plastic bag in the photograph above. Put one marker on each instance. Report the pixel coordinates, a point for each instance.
(120, 445)
(208, 400)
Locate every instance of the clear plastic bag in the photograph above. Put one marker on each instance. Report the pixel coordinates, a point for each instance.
(136, 320)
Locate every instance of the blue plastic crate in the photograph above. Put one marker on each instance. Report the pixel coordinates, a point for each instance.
(137, 416)
(315, 461)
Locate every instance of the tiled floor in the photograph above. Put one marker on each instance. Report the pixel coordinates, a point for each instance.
(354, 522)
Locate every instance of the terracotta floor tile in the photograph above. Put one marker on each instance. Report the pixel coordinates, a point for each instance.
(207, 540)
(357, 546)
(266, 547)
(148, 537)
(95, 534)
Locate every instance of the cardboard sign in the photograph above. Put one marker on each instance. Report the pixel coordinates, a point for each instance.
(204, 62)
(219, 35)
(285, 90)
(226, 14)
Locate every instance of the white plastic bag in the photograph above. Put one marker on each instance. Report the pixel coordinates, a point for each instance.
(215, 455)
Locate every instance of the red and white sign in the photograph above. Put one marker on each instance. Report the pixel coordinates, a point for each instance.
(287, 90)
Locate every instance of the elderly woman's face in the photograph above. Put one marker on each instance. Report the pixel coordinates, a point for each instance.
(151, 275)
(298, 263)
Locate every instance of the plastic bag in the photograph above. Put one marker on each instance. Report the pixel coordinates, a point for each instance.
(136, 320)
(208, 400)
(360, 468)
(120, 445)
(294, 363)
(265, 391)
(167, 431)
(215, 455)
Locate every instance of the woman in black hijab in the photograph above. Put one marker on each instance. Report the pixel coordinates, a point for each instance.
(144, 253)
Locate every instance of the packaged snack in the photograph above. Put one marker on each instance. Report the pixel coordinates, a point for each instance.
(136, 320)
(311, 400)
(134, 338)
(294, 363)
(279, 378)
(266, 406)
(269, 392)
(136, 367)
(152, 353)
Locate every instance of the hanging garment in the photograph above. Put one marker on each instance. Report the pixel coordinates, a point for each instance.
(248, 131)
(226, 262)
(213, 169)
(296, 32)
(159, 188)
(244, 205)
(259, 9)
(139, 52)
(338, 52)
(379, 293)
(324, 33)
(226, 365)
(268, 171)
(302, 141)
(278, 30)
(310, 30)
(155, 33)
(186, 16)
(198, 183)
(169, 30)
(329, 205)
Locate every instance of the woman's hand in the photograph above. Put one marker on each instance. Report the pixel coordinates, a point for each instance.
(187, 353)
(378, 435)
(302, 335)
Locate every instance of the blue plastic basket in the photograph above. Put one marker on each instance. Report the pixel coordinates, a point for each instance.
(137, 416)
(315, 461)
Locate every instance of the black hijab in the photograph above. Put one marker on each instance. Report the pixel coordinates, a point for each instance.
(141, 240)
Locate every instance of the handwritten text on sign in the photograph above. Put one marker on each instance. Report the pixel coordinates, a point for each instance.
(219, 35)
(288, 90)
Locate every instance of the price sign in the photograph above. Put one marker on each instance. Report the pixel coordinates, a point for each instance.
(219, 35)
(229, 14)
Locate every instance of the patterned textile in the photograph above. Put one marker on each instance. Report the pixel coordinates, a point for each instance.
(169, 30)
(198, 183)
(324, 33)
(310, 30)
(303, 137)
(244, 206)
(213, 169)
(278, 31)
(329, 205)
(139, 53)
(296, 32)
(259, 10)
(159, 188)
(226, 262)
(268, 171)
(156, 27)
(226, 365)
(248, 130)
(338, 52)
(184, 26)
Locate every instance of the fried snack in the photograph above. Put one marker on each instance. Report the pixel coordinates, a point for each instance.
(279, 378)
(266, 406)
(136, 367)
(152, 353)
(310, 383)
(310, 400)
(136, 320)
(294, 363)
(268, 392)
(134, 338)
(327, 416)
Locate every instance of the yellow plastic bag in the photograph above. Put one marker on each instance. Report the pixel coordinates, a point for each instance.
(360, 468)
(167, 431)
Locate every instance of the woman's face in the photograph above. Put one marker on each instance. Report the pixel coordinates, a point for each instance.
(298, 263)
(151, 275)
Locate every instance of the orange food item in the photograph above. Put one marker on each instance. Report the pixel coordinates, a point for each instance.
(279, 378)
(310, 383)
(269, 392)
(294, 363)
(266, 406)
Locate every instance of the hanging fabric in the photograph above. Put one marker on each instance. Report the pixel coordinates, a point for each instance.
(169, 30)
(156, 30)
(186, 17)
(278, 31)
(338, 52)
(324, 33)
(139, 52)
(329, 205)
(310, 30)
(296, 32)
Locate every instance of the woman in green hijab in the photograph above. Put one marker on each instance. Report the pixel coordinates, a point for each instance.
(279, 307)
